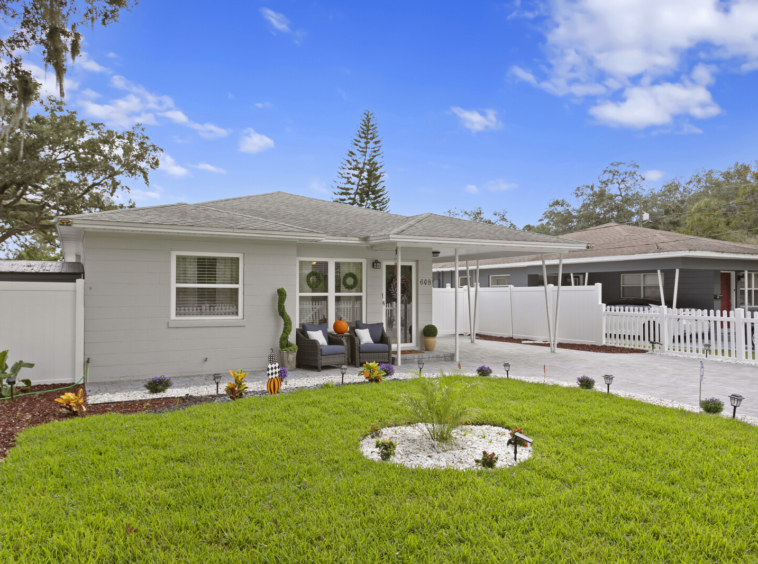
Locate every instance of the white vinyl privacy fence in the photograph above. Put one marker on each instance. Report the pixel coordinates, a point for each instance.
(520, 313)
(690, 332)
(43, 323)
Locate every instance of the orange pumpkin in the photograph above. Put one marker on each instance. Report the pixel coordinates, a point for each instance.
(274, 385)
(340, 326)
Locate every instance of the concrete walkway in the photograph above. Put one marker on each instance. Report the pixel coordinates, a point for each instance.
(669, 378)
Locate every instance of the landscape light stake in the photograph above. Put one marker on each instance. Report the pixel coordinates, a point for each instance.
(420, 365)
(608, 381)
(736, 400)
(507, 366)
(343, 370)
(11, 382)
(217, 379)
(707, 348)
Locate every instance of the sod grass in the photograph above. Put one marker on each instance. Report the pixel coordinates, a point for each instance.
(281, 479)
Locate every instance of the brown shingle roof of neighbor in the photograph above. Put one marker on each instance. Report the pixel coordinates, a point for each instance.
(282, 212)
(614, 239)
(40, 267)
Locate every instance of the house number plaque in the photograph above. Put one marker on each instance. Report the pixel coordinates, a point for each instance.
(425, 282)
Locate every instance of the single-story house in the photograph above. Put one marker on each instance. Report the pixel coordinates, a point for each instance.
(40, 271)
(634, 263)
(185, 289)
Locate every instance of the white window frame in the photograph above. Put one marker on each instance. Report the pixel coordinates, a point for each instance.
(330, 294)
(240, 286)
(752, 289)
(465, 277)
(499, 285)
(642, 284)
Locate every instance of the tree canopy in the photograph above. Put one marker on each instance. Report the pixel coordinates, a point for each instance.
(498, 217)
(70, 166)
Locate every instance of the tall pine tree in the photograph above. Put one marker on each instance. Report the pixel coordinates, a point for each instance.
(360, 179)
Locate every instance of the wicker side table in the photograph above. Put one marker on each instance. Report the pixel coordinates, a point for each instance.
(346, 340)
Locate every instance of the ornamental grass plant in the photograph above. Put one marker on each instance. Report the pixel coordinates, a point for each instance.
(438, 405)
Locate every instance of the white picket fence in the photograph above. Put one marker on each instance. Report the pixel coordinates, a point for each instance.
(690, 332)
(520, 313)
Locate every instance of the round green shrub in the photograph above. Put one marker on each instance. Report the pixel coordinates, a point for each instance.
(712, 405)
(430, 331)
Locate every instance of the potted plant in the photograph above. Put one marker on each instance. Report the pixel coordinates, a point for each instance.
(287, 349)
(430, 337)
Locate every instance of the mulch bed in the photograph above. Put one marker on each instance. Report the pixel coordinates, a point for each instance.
(28, 411)
(572, 346)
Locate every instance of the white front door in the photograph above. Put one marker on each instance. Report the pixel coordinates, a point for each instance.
(407, 303)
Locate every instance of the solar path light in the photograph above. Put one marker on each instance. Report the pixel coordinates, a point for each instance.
(343, 371)
(11, 380)
(707, 349)
(608, 381)
(217, 379)
(514, 441)
(420, 365)
(736, 400)
(507, 366)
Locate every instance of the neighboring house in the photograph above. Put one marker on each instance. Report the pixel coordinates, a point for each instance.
(40, 271)
(702, 273)
(191, 288)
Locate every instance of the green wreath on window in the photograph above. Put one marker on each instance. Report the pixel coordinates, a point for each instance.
(314, 279)
(349, 281)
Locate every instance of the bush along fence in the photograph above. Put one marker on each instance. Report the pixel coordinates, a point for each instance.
(689, 332)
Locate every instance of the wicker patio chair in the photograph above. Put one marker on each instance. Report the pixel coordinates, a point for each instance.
(310, 353)
(379, 351)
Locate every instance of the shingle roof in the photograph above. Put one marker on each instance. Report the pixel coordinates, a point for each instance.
(282, 212)
(40, 267)
(613, 239)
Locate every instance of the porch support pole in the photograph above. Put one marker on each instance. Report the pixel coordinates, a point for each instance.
(660, 287)
(468, 296)
(476, 302)
(586, 277)
(676, 287)
(744, 304)
(455, 287)
(399, 301)
(547, 302)
(572, 278)
(558, 302)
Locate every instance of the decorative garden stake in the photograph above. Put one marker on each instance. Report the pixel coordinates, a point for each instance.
(343, 369)
(217, 379)
(608, 381)
(274, 384)
(507, 366)
(11, 381)
(420, 365)
(702, 373)
(736, 400)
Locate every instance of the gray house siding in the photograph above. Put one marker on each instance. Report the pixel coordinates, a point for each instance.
(127, 304)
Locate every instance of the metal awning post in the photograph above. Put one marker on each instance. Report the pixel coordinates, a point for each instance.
(476, 302)
(676, 287)
(455, 288)
(557, 303)
(586, 277)
(547, 302)
(398, 320)
(660, 287)
(745, 303)
(571, 274)
(468, 296)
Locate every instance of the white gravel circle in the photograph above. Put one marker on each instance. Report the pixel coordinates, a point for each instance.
(416, 450)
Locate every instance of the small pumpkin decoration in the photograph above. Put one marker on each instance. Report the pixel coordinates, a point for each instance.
(340, 326)
(273, 385)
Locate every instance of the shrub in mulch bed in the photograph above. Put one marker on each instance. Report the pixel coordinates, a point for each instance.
(572, 346)
(158, 384)
(712, 405)
(585, 382)
(28, 411)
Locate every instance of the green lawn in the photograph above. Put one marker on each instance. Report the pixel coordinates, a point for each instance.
(280, 479)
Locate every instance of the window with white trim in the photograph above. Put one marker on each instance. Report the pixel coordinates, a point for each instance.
(752, 289)
(331, 289)
(463, 280)
(500, 280)
(641, 286)
(206, 285)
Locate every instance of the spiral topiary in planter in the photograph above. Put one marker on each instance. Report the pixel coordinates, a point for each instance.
(287, 349)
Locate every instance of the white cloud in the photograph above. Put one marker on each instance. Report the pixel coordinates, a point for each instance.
(210, 168)
(474, 121)
(84, 61)
(139, 195)
(262, 105)
(319, 186)
(206, 130)
(471, 189)
(653, 175)
(47, 80)
(231, 96)
(111, 55)
(252, 142)
(169, 166)
(278, 22)
(620, 51)
(499, 185)
(89, 94)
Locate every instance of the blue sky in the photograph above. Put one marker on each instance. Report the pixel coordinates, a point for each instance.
(499, 105)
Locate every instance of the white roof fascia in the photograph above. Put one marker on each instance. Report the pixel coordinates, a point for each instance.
(528, 246)
(616, 258)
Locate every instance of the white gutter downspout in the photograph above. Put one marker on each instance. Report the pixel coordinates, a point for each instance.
(558, 302)
(660, 287)
(455, 287)
(398, 320)
(476, 302)
(547, 303)
(676, 287)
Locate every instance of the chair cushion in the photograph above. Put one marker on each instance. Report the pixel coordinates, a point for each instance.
(374, 348)
(364, 336)
(375, 329)
(322, 328)
(332, 349)
(317, 336)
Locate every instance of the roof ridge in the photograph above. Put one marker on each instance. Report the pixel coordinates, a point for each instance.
(203, 205)
(413, 220)
(123, 210)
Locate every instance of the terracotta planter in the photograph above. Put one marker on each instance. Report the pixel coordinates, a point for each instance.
(430, 343)
(287, 359)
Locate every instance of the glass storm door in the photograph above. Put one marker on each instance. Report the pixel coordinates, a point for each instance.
(407, 303)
